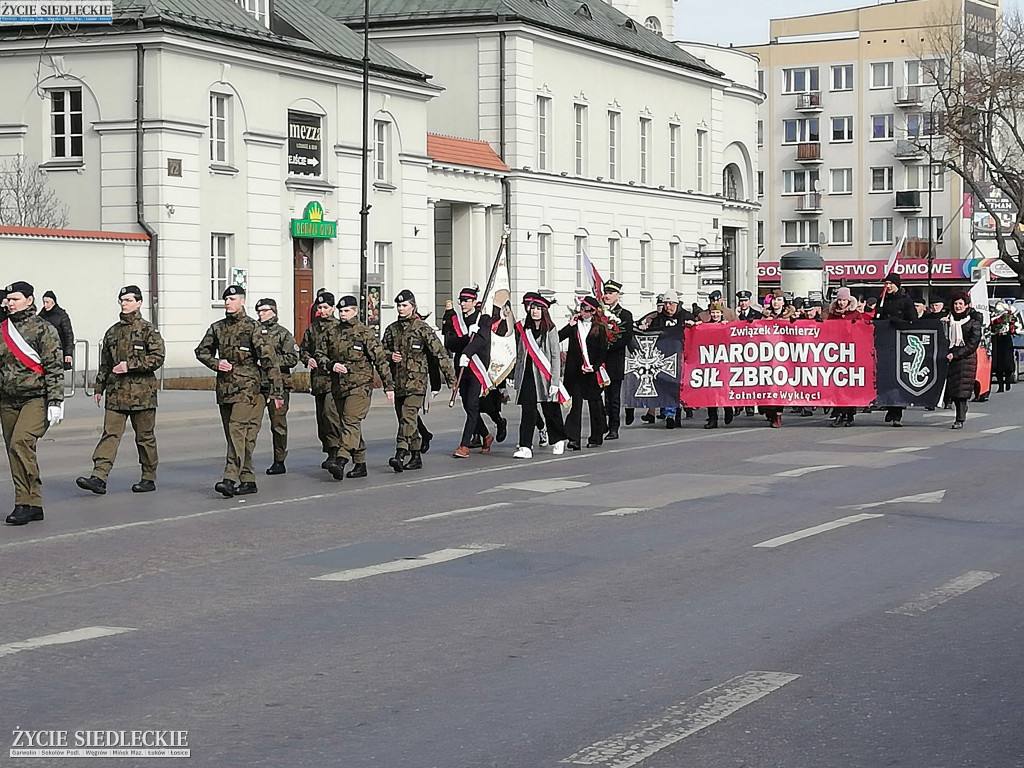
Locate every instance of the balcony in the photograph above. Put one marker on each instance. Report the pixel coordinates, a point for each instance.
(908, 96)
(908, 202)
(915, 248)
(809, 204)
(809, 153)
(909, 151)
(809, 102)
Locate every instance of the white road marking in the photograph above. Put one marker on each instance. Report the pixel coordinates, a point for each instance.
(929, 497)
(406, 564)
(949, 414)
(621, 511)
(552, 485)
(684, 719)
(908, 449)
(801, 471)
(998, 430)
(945, 593)
(454, 512)
(841, 522)
(62, 638)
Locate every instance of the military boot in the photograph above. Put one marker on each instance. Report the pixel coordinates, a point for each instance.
(92, 483)
(397, 463)
(414, 462)
(226, 488)
(337, 468)
(358, 470)
(332, 454)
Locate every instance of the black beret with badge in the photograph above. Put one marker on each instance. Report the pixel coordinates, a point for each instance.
(405, 296)
(130, 290)
(20, 286)
(348, 301)
(233, 290)
(326, 297)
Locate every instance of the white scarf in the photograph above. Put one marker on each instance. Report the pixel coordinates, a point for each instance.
(956, 330)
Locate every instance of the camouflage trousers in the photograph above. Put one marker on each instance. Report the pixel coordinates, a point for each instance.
(23, 424)
(408, 409)
(352, 409)
(279, 427)
(241, 422)
(328, 427)
(144, 425)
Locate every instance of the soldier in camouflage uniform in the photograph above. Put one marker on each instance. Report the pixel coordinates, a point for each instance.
(286, 356)
(31, 394)
(351, 352)
(132, 350)
(241, 355)
(328, 426)
(412, 346)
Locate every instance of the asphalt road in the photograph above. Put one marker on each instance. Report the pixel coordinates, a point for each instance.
(744, 597)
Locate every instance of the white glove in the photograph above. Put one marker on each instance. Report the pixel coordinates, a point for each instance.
(55, 414)
(474, 328)
(463, 362)
(553, 390)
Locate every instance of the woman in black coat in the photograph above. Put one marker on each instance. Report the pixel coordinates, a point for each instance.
(581, 373)
(964, 337)
(59, 318)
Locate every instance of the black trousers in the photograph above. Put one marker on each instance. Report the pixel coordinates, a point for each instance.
(961, 410)
(469, 390)
(574, 421)
(490, 404)
(529, 420)
(613, 404)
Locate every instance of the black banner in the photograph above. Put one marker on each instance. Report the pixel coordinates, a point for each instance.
(305, 144)
(653, 368)
(910, 362)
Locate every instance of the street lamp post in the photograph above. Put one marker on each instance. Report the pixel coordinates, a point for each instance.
(364, 210)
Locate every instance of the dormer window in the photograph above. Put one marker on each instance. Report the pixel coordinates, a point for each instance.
(584, 12)
(260, 10)
(653, 24)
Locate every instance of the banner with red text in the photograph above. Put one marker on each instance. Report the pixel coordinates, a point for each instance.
(768, 362)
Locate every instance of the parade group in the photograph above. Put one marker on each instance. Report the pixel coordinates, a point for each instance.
(254, 359)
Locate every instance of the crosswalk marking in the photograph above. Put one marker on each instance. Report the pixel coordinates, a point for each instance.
(407, 563)
(453, 512)
(801, 471)
(908, 449)
(621, 511)
(945, 593)
(677, 722)
(843, 521)
(928, 497)
(998, 430)
(549, 485)
(62, 638)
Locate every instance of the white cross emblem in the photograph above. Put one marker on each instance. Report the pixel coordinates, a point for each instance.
(647, 363)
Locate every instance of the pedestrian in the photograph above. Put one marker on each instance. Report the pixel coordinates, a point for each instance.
(328, 426)
(241, 355)
(59, 318)
(716, 316)
(1004, 358)
(616, 359)
(894, 304)
(843, 307)
(745, 310)
(412, 346)
(352, 352)
(538, 377)
(778, 308)
(715, 297)
(467, 337)
(31, 395)
(964, 331)
(286, 357)
(937, 309)
(131, 352)
(584, 373)
(671, 321)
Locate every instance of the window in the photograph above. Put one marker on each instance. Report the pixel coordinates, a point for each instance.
(799, 182)
(381, 264)
(580, 140)
(800, 130)
(760, 233)
(645, 148)
(800, 80)
(259, 9)
(220, 256)
(924, 71)
(799, 232)
(66, 123)
(760, 80)
(918, 227)
(653, 24)
(842, 129)
(842, 181)
(842, 77)
(613, 257)
(842, 232)
(924, 124)
(613, 145)
(382, 151)
(543, 115)
(917, 177)
(646, 265)
(760, 183)
(881, 127)
(582, 279)
(543, 258)
(673, 155)
(760, 133)
(881, 179)
(702, 137)
(881, 231)
(673, 263)
(219, 104)
(881, 74)
(731, 185)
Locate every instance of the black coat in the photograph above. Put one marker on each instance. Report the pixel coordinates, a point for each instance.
(461, 345)
(61, 320)
(578, 383)
(616, 361)
(752, 313)
(963, 368)
(897, 306)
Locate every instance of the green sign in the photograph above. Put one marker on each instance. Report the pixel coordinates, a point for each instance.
(312, 224)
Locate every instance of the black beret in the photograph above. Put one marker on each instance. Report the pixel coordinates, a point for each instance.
(20, 286)
(266, 303)
(715, 295)
(348, 301)
(130, 290)
(612, 286)
(233, 290)
(325, 297)
(405, 296)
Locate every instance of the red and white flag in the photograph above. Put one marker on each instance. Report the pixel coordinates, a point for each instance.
(591, 271)
(897, 251)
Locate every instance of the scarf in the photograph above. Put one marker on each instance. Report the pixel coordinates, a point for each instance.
(956, 328)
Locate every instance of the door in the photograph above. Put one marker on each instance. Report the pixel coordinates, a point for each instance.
(303, 271)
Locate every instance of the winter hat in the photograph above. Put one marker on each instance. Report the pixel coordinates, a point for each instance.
(893, 278)
(844, 293)
(50, 295)
(962, 295)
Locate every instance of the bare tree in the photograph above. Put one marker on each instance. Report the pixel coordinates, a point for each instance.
(26, 199)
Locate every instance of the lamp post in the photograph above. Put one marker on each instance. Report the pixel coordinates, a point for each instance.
(364, 210)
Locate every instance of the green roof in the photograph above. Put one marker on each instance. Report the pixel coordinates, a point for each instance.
(593, 20)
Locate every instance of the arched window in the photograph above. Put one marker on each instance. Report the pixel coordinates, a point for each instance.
(653, 24)
(732, 182)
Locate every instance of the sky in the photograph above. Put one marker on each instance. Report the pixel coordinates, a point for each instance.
(745, 22)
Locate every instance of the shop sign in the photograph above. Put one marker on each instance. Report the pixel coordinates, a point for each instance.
(312, 224)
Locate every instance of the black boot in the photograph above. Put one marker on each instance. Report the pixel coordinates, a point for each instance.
(414, 462)
(729, 414)
(92, 483)
(332, 454)
(244, 489)
(277, 468)
(397, 463)
(24, 514)
(358, 470)
(425, 441)
(501, 430)
(225, 488)
(144, 486)
(337, 468)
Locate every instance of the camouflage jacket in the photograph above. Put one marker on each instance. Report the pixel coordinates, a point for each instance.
(319, 380)
(18, 382)
(238, 340)
(138, 343)
(286, 352)
(355, 346)
(419, 347)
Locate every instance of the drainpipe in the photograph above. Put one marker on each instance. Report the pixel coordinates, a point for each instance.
(506, 187)
(140, 205)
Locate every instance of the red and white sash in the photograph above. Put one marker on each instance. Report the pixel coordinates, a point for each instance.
(603, 379)
(20, 348)
(476, 365)
(541, 361)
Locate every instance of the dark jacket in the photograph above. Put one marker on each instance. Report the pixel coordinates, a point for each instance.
(751, 314)
(671, 325)
(576, 380)
(897, 306)
(461, 345)
(616, 362)
(59, 318)
(963, 368)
